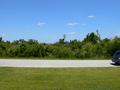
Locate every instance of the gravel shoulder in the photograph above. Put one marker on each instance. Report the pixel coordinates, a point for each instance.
(55, 63)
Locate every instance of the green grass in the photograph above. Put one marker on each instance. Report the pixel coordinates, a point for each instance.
(48, 58)
(60, 79)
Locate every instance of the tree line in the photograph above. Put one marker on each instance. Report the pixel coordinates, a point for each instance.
(91, 47)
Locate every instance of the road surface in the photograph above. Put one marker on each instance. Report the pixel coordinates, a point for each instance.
(55, 63)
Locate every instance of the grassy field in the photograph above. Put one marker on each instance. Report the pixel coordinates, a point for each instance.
(35, 58)
(60, 79)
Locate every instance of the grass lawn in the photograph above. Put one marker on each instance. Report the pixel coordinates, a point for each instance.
(48, 58)
(60, 79)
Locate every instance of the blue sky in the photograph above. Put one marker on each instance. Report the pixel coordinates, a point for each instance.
(48, 20)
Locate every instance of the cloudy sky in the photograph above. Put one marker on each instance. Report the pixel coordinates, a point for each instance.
(48, 20)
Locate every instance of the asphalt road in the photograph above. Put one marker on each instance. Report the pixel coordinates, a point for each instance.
(55, 63)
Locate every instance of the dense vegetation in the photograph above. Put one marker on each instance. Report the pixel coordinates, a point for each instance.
(92, 47)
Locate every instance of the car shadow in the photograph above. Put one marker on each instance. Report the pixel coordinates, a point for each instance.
(115, 64)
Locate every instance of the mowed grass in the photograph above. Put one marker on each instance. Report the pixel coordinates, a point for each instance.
(60, 79)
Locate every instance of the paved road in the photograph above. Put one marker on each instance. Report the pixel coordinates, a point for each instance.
(55, 63)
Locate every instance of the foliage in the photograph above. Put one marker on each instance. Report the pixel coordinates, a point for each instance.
(91, 47)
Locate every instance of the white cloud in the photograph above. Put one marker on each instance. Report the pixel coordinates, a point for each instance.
(91, 16)
(72, 23)
(41, 23)
(72, 33)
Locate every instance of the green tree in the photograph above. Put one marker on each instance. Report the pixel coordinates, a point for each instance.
(74, 45)
(13, 51)
(88, 50)
(114, 45)
(32, 41)
(62, 41)
(0, 39)
(92, 37)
